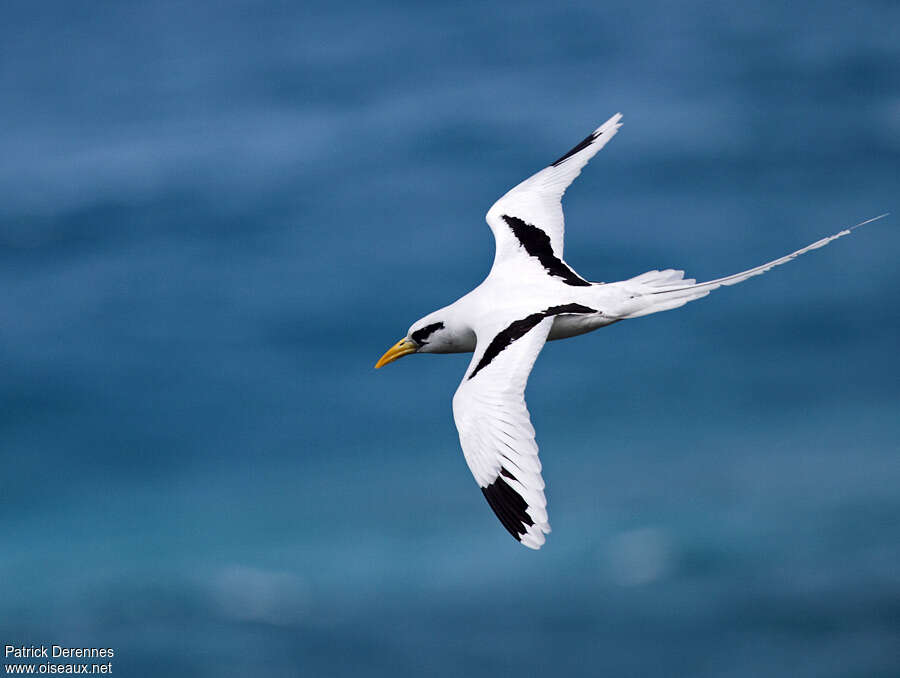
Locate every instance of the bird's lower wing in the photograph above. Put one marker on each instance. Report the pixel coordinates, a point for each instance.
(495, 429)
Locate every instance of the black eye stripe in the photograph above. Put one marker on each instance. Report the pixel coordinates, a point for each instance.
(420, 335)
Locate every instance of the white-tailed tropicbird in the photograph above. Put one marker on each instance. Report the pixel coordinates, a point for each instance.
(529, 297)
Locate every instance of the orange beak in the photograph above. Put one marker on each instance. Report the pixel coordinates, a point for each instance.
(398, 350)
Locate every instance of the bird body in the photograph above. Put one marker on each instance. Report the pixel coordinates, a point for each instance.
(531, 296)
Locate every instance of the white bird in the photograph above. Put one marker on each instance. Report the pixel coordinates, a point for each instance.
(529, 297)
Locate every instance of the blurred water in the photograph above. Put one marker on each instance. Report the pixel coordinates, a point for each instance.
(215, 217)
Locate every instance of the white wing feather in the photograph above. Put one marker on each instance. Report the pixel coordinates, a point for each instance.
(537, 200)
(496, 434)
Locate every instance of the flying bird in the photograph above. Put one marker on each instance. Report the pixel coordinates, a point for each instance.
(532, 296)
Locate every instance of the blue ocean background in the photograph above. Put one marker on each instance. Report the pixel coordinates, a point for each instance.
(215, 217)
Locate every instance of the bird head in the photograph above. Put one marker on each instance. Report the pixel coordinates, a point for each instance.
(428, 335)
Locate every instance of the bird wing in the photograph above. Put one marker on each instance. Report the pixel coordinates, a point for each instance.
(495, 429)
(530, 216)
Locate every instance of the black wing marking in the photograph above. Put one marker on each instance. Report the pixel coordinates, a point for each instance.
(509, 506)
(583, 144)
(519, 328)
(537, 243)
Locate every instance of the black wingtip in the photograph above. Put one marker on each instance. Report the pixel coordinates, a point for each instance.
(583, 144)
(509, 506)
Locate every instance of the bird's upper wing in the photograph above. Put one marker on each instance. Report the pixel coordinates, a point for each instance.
(530, 216)
(495, 430)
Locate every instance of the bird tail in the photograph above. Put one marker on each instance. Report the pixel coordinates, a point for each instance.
(657, 291)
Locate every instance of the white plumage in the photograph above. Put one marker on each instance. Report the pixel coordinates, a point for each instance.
(529, 297)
